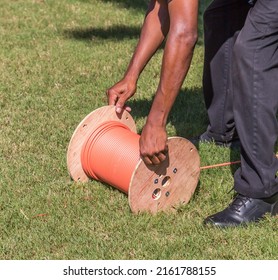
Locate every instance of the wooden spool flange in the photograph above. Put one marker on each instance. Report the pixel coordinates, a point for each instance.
(152, 188)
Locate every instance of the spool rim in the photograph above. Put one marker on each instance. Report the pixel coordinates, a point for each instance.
(170, 190)
(82, 132)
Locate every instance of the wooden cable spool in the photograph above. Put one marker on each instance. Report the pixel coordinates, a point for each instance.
(105, 147)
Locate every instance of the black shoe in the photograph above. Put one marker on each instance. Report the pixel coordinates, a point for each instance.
(244, 210)
(205, 138)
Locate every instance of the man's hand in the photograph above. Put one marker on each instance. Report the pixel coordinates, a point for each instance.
(153, 144)
(120, 93)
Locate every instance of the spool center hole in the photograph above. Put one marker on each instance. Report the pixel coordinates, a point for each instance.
(166, 181)
(156, 194)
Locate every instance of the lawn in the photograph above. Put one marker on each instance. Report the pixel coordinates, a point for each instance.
(57, 58)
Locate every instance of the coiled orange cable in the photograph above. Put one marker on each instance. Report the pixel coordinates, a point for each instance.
(110, 154)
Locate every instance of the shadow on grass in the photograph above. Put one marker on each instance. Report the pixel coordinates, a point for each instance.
(188, 115)
(140, 5)
(115, 32)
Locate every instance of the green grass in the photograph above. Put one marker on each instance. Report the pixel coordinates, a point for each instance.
(57, 58)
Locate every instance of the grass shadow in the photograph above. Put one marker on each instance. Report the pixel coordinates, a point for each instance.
(115, 32)
(187, 122)
(234, 156)
(140, 5)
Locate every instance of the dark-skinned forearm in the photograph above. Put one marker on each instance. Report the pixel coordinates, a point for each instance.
(176, 62)
(153, 32)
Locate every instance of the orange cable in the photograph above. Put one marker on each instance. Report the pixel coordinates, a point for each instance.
(220, 164)
(223, 164)
(110, 154)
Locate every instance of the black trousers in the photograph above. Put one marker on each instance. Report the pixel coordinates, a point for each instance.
(223, 19)
(244, 91)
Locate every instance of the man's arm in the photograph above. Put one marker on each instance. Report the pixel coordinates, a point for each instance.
(153, 32)
(182, 37)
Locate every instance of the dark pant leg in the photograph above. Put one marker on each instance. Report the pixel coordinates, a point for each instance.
(222, 19)
(255, 89)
